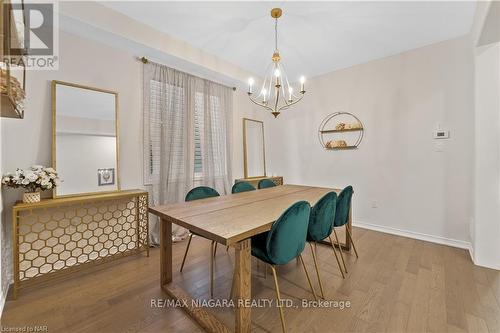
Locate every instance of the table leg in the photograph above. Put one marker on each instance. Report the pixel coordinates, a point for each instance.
(165, 251)
(242, 286)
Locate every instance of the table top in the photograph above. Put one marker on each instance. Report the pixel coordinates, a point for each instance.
(231, 218)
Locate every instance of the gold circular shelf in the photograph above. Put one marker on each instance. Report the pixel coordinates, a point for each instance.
(325, 128)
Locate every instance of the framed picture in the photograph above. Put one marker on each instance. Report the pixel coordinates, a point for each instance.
(106, 176)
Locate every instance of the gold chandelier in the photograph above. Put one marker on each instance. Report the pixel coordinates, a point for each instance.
(276, 94)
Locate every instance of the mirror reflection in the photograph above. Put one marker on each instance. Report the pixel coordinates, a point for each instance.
(85, 138)
(254, 151)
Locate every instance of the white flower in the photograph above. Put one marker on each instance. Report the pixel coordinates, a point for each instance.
(49, 170)
(31, 176)
(25, 181)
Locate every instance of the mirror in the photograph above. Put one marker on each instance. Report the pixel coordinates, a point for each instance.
(253, 148)
(85, 139)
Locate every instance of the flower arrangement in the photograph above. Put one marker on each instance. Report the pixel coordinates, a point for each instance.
(33, 179)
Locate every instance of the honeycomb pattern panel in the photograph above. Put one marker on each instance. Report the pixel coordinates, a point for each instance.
(61, 237)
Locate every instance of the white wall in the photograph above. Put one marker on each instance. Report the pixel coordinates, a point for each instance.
(400, 100)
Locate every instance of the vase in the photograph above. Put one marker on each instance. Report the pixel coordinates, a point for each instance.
(31, 197)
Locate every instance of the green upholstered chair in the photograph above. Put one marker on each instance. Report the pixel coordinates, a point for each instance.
(265, 183)
(320, 227)
(284, 242)
(197, 193)
(242, 187)
(344, 200)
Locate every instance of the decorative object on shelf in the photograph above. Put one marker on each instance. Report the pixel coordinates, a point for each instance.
(335, 144)
(56, 237)
(340, 130)
(13, 63)
(33, 180)
(106, 176)
(276, 94)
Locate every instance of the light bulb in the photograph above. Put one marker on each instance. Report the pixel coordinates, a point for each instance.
(250, 85)
(290, 90)
(302, 86)
(277, 72)
(264, 92)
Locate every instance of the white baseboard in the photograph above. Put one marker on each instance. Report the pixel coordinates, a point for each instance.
(415, 235)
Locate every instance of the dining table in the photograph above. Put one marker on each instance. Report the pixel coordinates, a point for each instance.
(230, 220)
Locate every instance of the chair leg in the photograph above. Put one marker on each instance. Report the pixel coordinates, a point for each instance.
(340, 249)
(227, 248)
(282, 316)
(313, 250)
(212, 249)
(215, 249)
(186, 252)
(352, 242)
(308, 278)
(336, 257)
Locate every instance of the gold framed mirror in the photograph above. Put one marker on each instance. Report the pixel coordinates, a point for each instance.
(85, 132)
(254, 152)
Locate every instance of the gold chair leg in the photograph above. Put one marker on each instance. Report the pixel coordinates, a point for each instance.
(313, 250)
(308, 278)
(212, 249)
(340, 249)
(282, 316)
(336, 257)
(352, 242)
(186, 252)
(215, 249)
(227, 248)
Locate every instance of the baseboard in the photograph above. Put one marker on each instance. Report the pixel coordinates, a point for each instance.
(471, 253)
(415, 235)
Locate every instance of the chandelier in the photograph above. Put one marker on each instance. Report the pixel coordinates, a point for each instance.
(276, 94)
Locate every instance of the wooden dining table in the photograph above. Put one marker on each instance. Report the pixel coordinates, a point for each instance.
(229, 220)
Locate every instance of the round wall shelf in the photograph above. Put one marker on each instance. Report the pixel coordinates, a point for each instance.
(340, 131)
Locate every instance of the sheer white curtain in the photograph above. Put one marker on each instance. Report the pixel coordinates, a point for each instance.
(187, 137)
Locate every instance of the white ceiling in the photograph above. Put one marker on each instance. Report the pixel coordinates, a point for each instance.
(314, 37)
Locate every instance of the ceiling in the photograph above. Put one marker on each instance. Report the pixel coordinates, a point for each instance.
(314, 37)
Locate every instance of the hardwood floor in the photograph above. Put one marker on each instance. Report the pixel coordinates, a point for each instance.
(398, 284)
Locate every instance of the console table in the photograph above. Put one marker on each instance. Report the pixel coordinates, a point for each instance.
(55, 237)
(278, 180)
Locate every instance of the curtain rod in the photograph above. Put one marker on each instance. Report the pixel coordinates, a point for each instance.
(145, 60)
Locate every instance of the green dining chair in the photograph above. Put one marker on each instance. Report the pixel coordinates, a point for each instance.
(320, 227)
(265, 183)
(197, 193)
(242, 187)
(284, 242)
(342, 217)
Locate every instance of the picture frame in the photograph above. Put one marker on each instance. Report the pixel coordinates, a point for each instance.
(106, 176)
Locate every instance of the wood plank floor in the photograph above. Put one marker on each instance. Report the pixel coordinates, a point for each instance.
(398, 284)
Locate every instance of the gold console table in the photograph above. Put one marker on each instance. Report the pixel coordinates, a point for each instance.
(54, 237)
(278, 180)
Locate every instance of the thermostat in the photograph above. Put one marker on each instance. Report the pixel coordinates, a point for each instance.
(441, 134)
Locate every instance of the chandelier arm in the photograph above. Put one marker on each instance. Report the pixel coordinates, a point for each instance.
(284, 107)
(260, 104)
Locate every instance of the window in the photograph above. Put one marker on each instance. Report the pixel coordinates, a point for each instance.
(174, 119)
